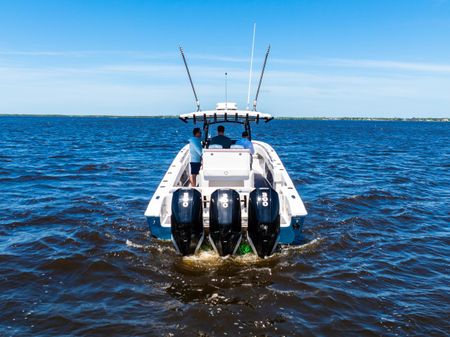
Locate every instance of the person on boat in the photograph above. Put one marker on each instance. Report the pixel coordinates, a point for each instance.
(246, 143)
(196, 151)
(221, 139)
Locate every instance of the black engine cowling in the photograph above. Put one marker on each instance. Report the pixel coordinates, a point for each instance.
(225, 221)
(187, 220)
(264, 220)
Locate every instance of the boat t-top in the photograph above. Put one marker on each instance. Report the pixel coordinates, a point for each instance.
(240, 197)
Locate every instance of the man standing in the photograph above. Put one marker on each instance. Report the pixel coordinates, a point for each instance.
(245, 142)
(196, 151)
(221, 139)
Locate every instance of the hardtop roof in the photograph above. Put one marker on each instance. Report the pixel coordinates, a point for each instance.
(220, 116)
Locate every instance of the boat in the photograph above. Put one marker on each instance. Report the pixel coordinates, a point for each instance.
(239, 198)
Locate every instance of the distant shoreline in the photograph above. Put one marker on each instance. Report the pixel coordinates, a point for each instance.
(378, 119)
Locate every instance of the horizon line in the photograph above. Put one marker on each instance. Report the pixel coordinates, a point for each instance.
(443, 119)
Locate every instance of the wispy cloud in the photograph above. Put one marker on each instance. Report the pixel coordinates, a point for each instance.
(123, 53)
(145, 86)
(383, 64)
(324, 62)
(83, 53)
(368, 64)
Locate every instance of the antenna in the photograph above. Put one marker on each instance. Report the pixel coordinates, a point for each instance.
(260, 79)
(226, 91)
(197, 102)
(251, 68)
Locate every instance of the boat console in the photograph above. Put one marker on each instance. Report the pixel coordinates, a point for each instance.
(226, 168)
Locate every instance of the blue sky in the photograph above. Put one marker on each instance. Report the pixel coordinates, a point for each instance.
(378, 58)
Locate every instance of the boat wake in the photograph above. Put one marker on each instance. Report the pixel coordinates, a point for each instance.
(308, 246)
(206, 259)
(130, 243)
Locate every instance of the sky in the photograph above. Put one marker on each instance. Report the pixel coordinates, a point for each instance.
(371, 58)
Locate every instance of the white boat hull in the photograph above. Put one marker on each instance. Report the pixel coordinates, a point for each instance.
(233, 169)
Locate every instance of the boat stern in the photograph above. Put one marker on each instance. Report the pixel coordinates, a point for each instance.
(156, 230)
(292, 234)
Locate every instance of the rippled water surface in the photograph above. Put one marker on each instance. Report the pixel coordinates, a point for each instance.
(76, 257)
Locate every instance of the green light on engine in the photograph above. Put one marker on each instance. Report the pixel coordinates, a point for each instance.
(244, 248)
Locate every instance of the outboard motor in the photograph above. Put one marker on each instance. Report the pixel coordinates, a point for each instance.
(187, 220)
(225, 221)
(263, 220)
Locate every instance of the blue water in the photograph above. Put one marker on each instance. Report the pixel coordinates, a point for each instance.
(76, 257)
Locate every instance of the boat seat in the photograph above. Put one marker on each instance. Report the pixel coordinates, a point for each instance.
(226, 164)
(236, 146)
(216, 146)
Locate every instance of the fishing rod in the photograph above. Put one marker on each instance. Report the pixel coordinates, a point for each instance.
(197, 102)
(251, 68)
(226, 91)
(260, 79)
